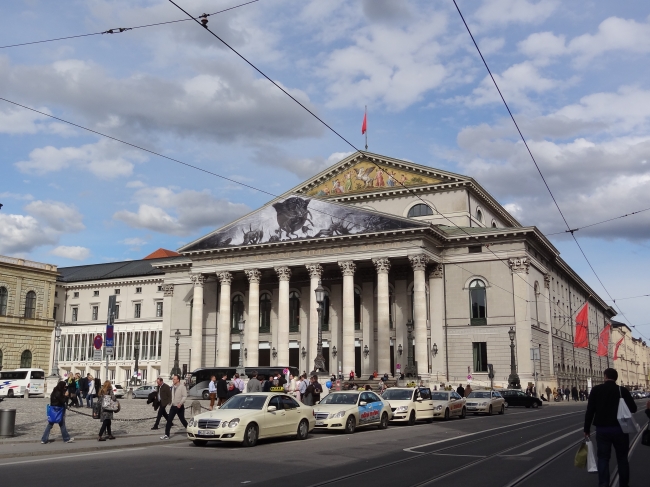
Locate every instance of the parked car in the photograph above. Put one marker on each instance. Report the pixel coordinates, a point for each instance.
(143, 392)
(410, 404)
(515, 397)
(449, 404)
(118, 390)
(485, 402)
(348, 410)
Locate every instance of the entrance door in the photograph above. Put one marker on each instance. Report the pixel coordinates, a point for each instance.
(234, 358)
(326, 356)
(392, 362)
(294, 357)
(357, 360)
(264, 358)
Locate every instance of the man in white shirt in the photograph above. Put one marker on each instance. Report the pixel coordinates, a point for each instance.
(212, 390)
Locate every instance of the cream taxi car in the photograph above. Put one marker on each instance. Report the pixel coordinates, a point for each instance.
(245, 418)
(486, 402)
(448, 404)
(348, 410)
(410, 404)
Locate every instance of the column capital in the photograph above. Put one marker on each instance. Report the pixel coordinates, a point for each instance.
(254, 275)
(348, 267)
(225, 277)
(519, 265)
(436, 271)
(198, 279)
(315, 270)
(547, 281)
(382, 265)
(419, 262)
(284, 273)
(168, 290)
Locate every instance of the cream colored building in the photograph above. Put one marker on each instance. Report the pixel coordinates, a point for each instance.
(26, 313)
(633, 358)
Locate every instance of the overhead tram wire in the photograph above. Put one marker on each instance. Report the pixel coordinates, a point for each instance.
(119, 30)
(530, 153)
(205, 26)
(597, 223)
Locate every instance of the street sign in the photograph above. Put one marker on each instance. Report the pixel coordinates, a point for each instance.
(98, 342)
(97, 355)
(534, 353)
(398, 367)
(109, 350)
(469, 377)
(112, 302)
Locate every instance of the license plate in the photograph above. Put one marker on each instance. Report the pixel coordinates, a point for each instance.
(206, 433)
(320, 423)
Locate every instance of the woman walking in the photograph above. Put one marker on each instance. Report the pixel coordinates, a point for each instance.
(107, 415)
(58, 400)
(91, 391)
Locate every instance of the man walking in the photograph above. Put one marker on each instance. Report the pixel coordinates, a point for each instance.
(253, 384)
(179, 395)
(222, 390)
(460, 390)
(549, 396)
(602, 410)
(164, 397)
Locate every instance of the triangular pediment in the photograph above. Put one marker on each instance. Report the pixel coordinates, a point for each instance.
(364, 173)
(298, 217)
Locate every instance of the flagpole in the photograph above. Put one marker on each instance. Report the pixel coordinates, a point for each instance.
(366, 118)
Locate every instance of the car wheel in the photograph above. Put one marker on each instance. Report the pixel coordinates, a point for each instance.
(412, 419)
(505, 404)
(199, 442)
(490, 410)
(10, 394)
(535, 405)
(205, 395)
(383, 424)
(350, 425)
(303, 430)
(446, 414)
(250, 435)
(463, 414)
(502, 410)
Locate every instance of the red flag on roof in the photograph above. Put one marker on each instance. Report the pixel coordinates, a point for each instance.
(603, 341)
(581, 339)
(618, 344)
(364, 125)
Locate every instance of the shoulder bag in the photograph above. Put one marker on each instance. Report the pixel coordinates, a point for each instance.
(55, 414)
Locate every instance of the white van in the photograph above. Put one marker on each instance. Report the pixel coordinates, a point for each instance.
(13, 383)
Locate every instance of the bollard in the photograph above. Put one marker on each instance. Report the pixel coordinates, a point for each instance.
(7, 422)
(26, 394)
(196, 408)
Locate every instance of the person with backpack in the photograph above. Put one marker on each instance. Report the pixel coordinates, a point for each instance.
(58, 400)
(106, 399)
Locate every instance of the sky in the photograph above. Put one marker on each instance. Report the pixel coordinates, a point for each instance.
(576, 76)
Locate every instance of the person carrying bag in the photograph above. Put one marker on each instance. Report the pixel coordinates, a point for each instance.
(109, 405)
(56, 414)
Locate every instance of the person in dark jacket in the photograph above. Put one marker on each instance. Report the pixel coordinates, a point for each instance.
(602, 410)
(58, 399)
(72, 390)
(574, 393)
(222, 390)
(161, 400)
(460, 390)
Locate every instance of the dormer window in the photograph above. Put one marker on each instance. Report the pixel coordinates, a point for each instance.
(420, 210)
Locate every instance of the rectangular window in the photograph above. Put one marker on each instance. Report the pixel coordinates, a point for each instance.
(56, 294)
(68, 349)
(129, 345)
(136, 311)
(95, 312)
(116, 312)
(75, 294)
(475, 249)
(75, 314)
(117, 291)
(95, 293)
(120, 345)
(84, 339)
(53, 313)
(159, 288)
(159, 309)
(75, 351)
(159, 345)
(90, 346)
(479, 350)
(138, 290)
(144, 347)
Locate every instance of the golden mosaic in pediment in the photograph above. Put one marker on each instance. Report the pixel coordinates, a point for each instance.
(366, 177)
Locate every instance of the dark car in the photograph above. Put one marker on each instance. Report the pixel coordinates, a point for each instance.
(518, 398)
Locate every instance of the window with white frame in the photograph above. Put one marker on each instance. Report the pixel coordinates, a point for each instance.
(137, 310)
(75, 314)
(95, 312)
(75, 294)
(95, 293)
(116, 312)
(159, 309)
(144, 346)
(138, 290)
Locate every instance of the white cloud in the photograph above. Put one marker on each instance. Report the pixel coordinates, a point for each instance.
(493, 13)
(20, 234)
(303, 167)
(135, 241)
(135, 184)
(57, 215)
(16, 196)
(73, 253)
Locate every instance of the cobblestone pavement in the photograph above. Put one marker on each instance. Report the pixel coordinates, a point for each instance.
(31, 420)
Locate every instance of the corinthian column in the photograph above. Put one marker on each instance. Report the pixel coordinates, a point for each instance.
(315, 273)
(419, 264)
(197, 322)
(383, 315)
(223, 327)
(284, 274)
(348, 268)
(252, 333)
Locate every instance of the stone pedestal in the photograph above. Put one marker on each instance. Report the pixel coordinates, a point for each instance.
(50, 383)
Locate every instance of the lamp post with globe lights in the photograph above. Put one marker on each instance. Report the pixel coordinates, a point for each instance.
(240, 368)
(319, 361)
(176, 370)
(513, 378)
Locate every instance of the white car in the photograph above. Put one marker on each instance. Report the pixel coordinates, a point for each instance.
(448, 404)
(118, 390)
(486, 402)
(410, 404)
(245, 418)
(347, 410)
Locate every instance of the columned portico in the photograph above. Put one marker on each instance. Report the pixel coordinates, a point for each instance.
(315, 274)
(383, 315)
(223, 325)
(520, 290)
(437, 300)
(284, 274)
(165, 368)
(197, 322)
(419, 264)
(252, 327)
(348, 268)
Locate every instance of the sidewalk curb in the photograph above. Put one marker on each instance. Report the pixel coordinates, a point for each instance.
(38, 453)
(19, 441)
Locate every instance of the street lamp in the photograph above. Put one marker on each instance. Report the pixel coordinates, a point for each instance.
(57, 341)
(136, 352)
(240, 368)
(366, 351)
(400, 349)
(319, 361)
(434, 350)
(176, 370)
(334, 352)
(411, 369)
(303, 352)
(513, 378)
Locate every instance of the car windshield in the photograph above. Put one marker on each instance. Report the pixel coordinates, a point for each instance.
(243, 401)
(343, 398)
(118, 387)
(397, 395)
(440, 396)
(480, 395)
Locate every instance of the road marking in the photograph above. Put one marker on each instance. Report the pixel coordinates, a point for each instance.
(412, 449)
(455, 455)
(544, 444)
(71, 455)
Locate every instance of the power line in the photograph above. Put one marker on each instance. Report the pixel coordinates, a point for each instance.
(119, 30)
(537, 166)
(598, 223)
(630, 297)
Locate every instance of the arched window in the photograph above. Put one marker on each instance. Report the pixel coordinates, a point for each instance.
(236, 312)
(294, 311)
(30, 305)
(420, 210)
(3, 301)
(494, 224)
(479, 215)
(26, 359)
(265, 313)
(478, 302)
(357, 308)
(326, 312)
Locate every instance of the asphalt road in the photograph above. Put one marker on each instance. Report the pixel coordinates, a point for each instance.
(523, 447)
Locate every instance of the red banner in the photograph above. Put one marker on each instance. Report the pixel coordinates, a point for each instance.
(618, 344)
(581, 339)
(603, 342)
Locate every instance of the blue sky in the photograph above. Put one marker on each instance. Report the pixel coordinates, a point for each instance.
(574, 73)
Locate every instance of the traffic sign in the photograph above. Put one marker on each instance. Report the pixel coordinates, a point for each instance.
(98, 342)
(109, 351)
(469, 377)
(97, 355)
